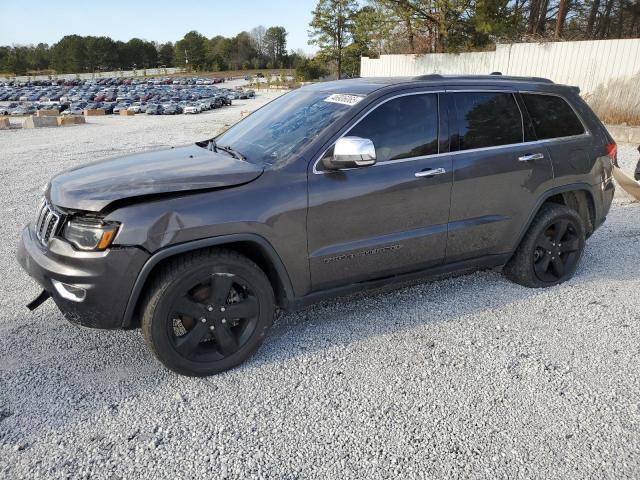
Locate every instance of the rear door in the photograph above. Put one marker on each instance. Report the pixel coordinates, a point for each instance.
(372, 222)
(498, 174)
(567, 139)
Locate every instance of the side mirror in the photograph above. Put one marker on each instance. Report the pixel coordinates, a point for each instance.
(351, 152)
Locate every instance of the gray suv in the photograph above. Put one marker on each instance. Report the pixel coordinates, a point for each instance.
(333, 188)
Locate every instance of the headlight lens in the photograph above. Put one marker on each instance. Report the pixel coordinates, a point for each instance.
(89, 235)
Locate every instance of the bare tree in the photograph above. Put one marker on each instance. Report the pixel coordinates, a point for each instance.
(593, 14)
(257, 37)
(563, 9)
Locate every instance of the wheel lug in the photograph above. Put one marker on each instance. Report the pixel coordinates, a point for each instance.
(210, 308)
(203, 320)
(222, 309)
(212, 328)
(224, 320)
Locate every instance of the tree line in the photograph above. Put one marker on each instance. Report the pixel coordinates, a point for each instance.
(344, 30)
(260, 48)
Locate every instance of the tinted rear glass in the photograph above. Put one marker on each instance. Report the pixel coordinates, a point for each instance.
(552, 116)
(487, 119)
(404, 127)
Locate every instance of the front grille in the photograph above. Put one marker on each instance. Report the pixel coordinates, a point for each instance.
(47, 222)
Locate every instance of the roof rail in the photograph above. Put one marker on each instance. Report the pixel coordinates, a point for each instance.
(431, 76)
(492, 76)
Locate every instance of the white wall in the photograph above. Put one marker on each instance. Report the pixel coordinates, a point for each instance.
(585, 64)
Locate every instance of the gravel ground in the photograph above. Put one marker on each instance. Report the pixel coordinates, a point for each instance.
(468, 377)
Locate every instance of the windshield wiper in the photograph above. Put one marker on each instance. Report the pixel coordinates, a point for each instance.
(214, 147)
(231, 152)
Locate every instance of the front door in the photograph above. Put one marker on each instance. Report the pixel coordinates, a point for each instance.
(371, 222)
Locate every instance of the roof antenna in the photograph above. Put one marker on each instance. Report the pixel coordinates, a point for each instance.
(496, 73)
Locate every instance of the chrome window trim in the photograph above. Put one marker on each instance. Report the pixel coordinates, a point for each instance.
(587, 132)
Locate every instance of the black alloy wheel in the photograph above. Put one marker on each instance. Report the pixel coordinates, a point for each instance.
(207, 312)
(214, 318)
(557, 250)
(550, 251)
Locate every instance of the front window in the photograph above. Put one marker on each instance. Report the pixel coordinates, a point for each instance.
(404, 127)
(282, 128)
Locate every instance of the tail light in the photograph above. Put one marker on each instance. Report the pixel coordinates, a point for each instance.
(612, 153)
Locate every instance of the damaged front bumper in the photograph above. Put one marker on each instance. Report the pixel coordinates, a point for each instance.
(89, 288)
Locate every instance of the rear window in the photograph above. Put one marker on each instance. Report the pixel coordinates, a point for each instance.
(552, 116)
(488, 119)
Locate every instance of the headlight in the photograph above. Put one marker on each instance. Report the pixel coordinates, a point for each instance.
(89, 235)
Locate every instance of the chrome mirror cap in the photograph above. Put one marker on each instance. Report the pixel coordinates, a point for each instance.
(351, 152)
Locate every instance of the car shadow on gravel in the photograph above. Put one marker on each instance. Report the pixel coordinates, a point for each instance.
(354, 318)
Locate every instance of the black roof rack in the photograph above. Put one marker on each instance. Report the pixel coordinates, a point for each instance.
(493, 76)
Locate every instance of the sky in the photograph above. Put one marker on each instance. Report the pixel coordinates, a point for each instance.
(47, 21)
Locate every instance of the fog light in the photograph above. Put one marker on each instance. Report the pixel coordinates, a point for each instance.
(70, 292)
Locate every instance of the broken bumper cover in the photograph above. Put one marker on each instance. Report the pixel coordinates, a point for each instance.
(89, 288)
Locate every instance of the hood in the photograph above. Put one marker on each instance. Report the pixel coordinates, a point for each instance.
(94, 186)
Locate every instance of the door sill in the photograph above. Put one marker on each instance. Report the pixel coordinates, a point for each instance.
(397, 281)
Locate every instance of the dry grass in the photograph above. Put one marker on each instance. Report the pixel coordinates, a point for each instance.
(617, 102)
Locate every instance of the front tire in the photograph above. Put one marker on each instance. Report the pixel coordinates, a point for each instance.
(551, 249)
(207, 312)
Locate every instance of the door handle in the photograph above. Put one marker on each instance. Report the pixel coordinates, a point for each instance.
(432, 172)
(530, 157)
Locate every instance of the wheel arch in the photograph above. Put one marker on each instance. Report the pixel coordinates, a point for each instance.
(578, 196)
(253, 246)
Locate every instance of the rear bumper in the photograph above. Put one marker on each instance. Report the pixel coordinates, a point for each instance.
(105, 277)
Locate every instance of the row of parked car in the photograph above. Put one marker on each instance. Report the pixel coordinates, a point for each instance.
(94, 90)
(134, 95)
(113, 81)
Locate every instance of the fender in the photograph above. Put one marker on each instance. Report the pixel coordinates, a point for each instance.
(550, 193)
(173, 250)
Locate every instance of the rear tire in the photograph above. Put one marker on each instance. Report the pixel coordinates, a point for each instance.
(551, 249)
(207, 312)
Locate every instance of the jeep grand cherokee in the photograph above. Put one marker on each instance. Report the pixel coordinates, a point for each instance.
(329, 189)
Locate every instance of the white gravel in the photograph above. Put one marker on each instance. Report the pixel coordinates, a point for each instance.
(469, 377)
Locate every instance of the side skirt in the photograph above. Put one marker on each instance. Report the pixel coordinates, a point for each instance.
(398, 281)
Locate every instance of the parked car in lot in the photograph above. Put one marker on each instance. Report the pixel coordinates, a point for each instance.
(170, 109)
(332, 188)
(23, 110)
(120, 106)
(73, 110)
(108, 107)
(154, 109)
(136, 107)
(192, 108)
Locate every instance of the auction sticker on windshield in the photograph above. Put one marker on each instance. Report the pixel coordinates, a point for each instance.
(343, 99)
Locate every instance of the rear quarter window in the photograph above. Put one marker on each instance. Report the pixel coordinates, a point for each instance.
(552, 116)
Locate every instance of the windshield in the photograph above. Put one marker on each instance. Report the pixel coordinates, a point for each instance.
(285, 126)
